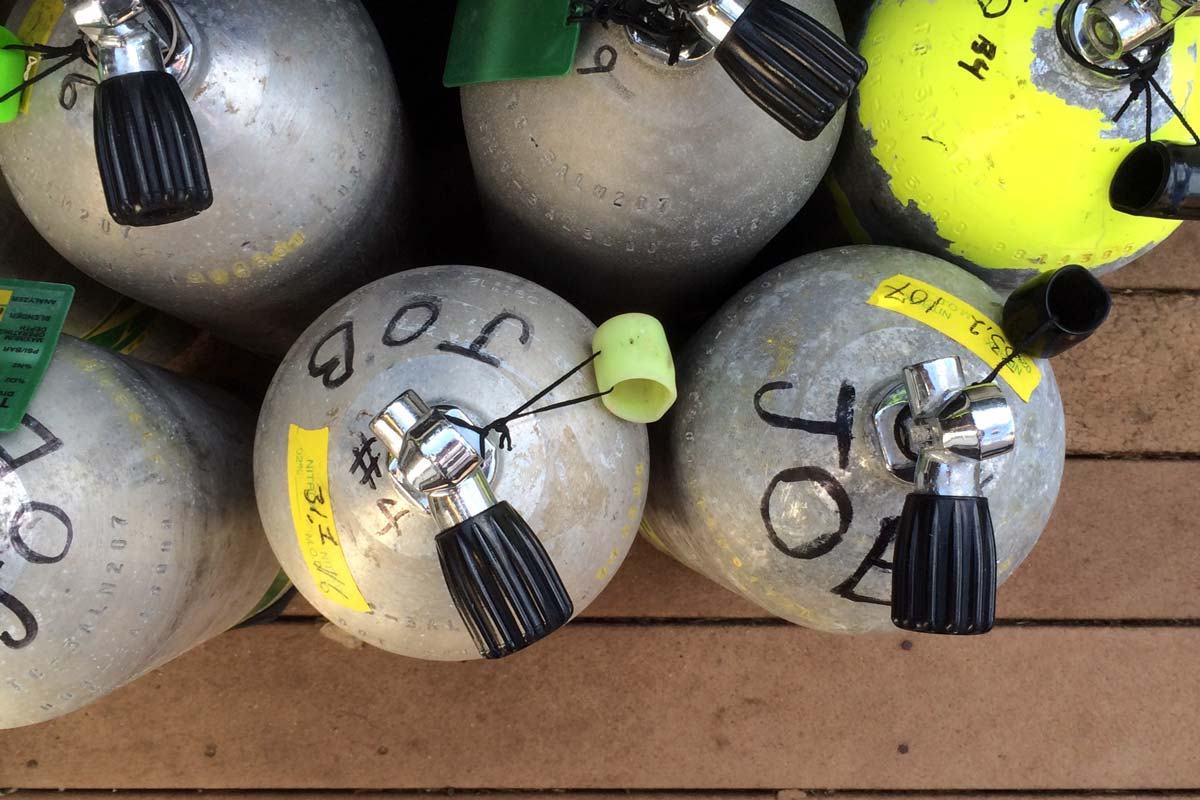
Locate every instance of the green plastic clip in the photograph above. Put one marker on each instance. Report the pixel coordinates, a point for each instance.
(508, 40)
(635, 362)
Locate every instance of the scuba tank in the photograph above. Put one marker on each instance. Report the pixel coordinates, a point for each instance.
(394, 507)
(659, 160)
(130, 529)
(98, 314)
(278, 182)
(842, 403)
(998, 136)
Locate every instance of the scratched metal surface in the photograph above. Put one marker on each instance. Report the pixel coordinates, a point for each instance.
(308, 164)
(672, 688)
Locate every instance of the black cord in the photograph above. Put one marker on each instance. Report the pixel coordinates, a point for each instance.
(73, 52)
(1142, 85)
(1019, 350)
(500, 424)
(644, 17)
(68, 94)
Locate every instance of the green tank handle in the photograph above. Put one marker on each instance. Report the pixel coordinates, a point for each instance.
(12, 73)
(635, 364)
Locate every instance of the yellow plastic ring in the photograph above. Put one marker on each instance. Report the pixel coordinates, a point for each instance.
(635, 363)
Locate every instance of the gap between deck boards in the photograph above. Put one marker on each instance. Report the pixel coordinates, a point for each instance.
(594, 794)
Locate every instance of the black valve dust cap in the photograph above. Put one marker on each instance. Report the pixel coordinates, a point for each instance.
(504, 585)
(944, 569)
(1055, 311)
(792, 66)
(148, 149)
(1158, 179)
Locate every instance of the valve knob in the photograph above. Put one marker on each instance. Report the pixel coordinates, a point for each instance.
(792, 66)
(503, 583)
(944, 569)
(151, 161)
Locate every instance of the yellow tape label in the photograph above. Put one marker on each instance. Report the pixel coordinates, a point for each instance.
(5, 299)
(312, 515)
(40, 21)
(961, 322)
(37, 27)
(124, 329)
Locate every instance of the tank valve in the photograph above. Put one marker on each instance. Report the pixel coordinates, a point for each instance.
(792, 66)
(936, 431)
(148, 150)
(502, 581)
(1117, 27)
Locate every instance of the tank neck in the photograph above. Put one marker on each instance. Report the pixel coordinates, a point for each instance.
(693, 49)
(1100, 35)
(933, 429)
(439, 464)
(187, 53)
(136, 35)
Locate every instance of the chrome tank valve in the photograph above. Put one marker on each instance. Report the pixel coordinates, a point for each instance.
(503, 583)
(790, 65)
(148, 149)
(1117, 27)
(935, 431)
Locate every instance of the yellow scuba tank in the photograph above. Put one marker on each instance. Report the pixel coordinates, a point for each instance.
(990, 133)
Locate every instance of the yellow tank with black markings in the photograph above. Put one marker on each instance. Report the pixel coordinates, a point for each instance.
(984, 133)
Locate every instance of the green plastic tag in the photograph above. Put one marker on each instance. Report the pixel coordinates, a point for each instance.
(508, 40)
(12, 72)
(32, 316)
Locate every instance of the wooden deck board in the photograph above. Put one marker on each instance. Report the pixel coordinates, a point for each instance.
(1126, 389)
(43, 794)
(646, 707)
(630, 705)
(1171, 265)
(486, 794)
(1116, 548)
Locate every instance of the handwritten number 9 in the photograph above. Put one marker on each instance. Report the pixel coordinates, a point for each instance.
(605, 60)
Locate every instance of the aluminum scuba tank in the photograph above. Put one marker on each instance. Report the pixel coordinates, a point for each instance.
(787, 464)
(98, 314)
(130, 532)
(995, 135)
(633, 169)
(304, 157)
(365, 471)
